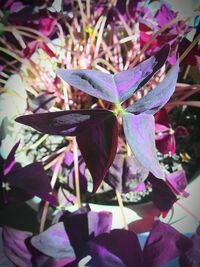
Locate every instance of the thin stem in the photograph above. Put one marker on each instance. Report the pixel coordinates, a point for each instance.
(76, 172)
(121, 206)
(99, 38)
(53, 182)
(75, 152)
(196, 40)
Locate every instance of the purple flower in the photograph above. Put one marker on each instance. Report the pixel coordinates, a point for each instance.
(22, 183)
(96, 131)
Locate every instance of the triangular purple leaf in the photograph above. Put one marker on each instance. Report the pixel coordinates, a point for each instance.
(192, 256)
(140, 135)
(119, 87)
(15, 247)
(33, 180)
(118, 248)
(96, 83)
(162, 195)
(163, 244)
(64, 123)
(128, 81)
(157, 97)
(54, 242)
(98, 146)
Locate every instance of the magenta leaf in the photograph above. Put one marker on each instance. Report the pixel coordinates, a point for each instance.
(157, 97)
(163, 244)
(15, 247)
(54, 242)
(140, 135)
(98, 146)
(118, 248)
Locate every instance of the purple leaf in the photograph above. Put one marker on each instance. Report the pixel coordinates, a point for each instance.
(163, 244)
(4, 261)
(140, 135)
(119, 87)
(178, 181)
(65, 123)
(31, 180)
(15, 247)
(99, 222)
(128, 81)
(126, 173)
(157, 97)
(54, 242)
(114, 175)
(162, 195)
(98, 146)
(119, 248)
(96, 83)
(192, 256)
(10, 162)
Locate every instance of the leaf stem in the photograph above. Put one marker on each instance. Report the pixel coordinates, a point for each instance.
(53, 182)
(121, 206)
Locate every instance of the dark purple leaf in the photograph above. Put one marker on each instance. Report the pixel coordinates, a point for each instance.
(98, 146)
(10, 162)
(140, 135)
(54, 242)
(157, 97)
(96, 83)
(32, 180)
(192, 257)
(65, 123)
(162, 195)
(118, 248)
(163, 244)
(15, 247)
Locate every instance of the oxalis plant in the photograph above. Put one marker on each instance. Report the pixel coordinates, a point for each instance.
(96, 130)
(84, 237)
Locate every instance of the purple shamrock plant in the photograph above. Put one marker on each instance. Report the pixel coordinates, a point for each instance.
(22, 183)
(96, 130)
(87, 236)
